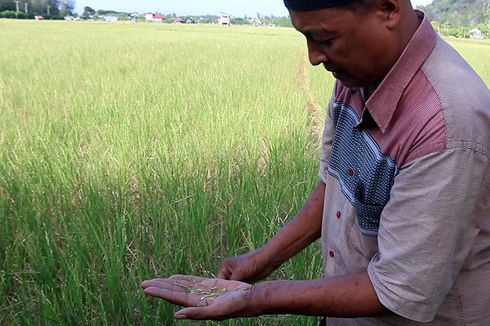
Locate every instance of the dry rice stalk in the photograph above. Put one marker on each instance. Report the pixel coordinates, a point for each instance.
(313, 110)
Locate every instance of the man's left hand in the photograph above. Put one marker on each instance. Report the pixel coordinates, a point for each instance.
(205, 298)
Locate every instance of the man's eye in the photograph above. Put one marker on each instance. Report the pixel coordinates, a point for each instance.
(327, 41)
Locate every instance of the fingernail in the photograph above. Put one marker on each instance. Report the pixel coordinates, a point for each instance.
(176, 316)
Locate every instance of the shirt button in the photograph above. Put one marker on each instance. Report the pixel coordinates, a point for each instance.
(338, 214)
(350, 172)
(331, 254)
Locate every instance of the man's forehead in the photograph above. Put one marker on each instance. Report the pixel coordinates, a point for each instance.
(313, 33)
(308, 5)
(315, 22)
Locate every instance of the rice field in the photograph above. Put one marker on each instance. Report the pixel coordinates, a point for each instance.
(129, 151)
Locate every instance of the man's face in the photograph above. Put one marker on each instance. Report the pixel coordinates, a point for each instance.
(350, 45)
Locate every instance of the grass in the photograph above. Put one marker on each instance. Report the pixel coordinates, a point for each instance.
(129, 151)
(477, 53)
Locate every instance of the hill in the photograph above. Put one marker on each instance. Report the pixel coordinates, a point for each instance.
(459, 12)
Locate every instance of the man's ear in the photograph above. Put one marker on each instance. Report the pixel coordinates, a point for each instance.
(389, 12)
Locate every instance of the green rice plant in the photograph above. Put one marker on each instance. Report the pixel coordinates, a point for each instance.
(130, 151)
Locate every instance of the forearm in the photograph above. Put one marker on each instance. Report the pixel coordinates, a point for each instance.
(301, 231)
(343, 296)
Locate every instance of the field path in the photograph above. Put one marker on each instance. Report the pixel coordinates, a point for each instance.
(313, 109)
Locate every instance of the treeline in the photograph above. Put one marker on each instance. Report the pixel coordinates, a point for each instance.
(280, 21)
(457, 17)
(27, 9)
(459, 12)
(446, 29)
(245, 20)
(91, 13)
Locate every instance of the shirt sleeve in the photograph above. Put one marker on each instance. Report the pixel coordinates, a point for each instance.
(327, 139)
(426, 231)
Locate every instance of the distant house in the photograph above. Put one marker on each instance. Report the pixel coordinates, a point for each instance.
(158, 18)
(476, 34)
(178, 20)
(255, 21)
(154, 17)
(133, 17)
(110, 19)
(224, 20)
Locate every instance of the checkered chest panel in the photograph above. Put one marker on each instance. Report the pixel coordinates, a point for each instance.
(364, 173)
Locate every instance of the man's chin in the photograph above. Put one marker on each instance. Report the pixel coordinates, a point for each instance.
(349, 83)
(346, 81)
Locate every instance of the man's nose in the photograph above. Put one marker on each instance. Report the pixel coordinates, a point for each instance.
(315, 53)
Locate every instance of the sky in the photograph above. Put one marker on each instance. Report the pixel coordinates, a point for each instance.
(237, 8)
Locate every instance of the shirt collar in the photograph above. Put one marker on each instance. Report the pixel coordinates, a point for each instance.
(383, 102)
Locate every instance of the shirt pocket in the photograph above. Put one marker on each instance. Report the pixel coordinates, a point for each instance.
(365, 247)
(364, 229)
(367, 214)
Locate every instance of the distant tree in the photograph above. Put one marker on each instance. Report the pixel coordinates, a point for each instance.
(111, 12)
(43, 7)
(22, 15)
(87, 11)
(457, 12)
(238, 21)
(485, 29)
(66, 7)
(36, 6)
(53, 8)
(278, 21)
(7, 14)
(102, 12)
(486, 15)
(169, 19)
(7, 5)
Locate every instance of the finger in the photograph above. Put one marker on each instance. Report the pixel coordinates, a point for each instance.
(180, 285)
(188, 278)
(236, 277)
(196, 293)
(175, 297)
(224, 272)
(148, 283)
(193, 283)
(187, 281)
(196, 282)
(199, 313)
(224, 284)
(163, 283)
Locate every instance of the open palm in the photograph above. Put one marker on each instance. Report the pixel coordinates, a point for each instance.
(205, 298)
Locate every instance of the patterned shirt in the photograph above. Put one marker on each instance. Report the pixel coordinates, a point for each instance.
(408, 188)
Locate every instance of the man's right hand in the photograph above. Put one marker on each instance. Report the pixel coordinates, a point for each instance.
(302, 230)
(250, 267)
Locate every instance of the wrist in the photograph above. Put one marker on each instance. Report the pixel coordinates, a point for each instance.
(270, 256)
(257, 301)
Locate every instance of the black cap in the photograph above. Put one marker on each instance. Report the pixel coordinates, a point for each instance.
(307, 5)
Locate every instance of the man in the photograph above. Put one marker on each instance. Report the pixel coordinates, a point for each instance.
(403, 205)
